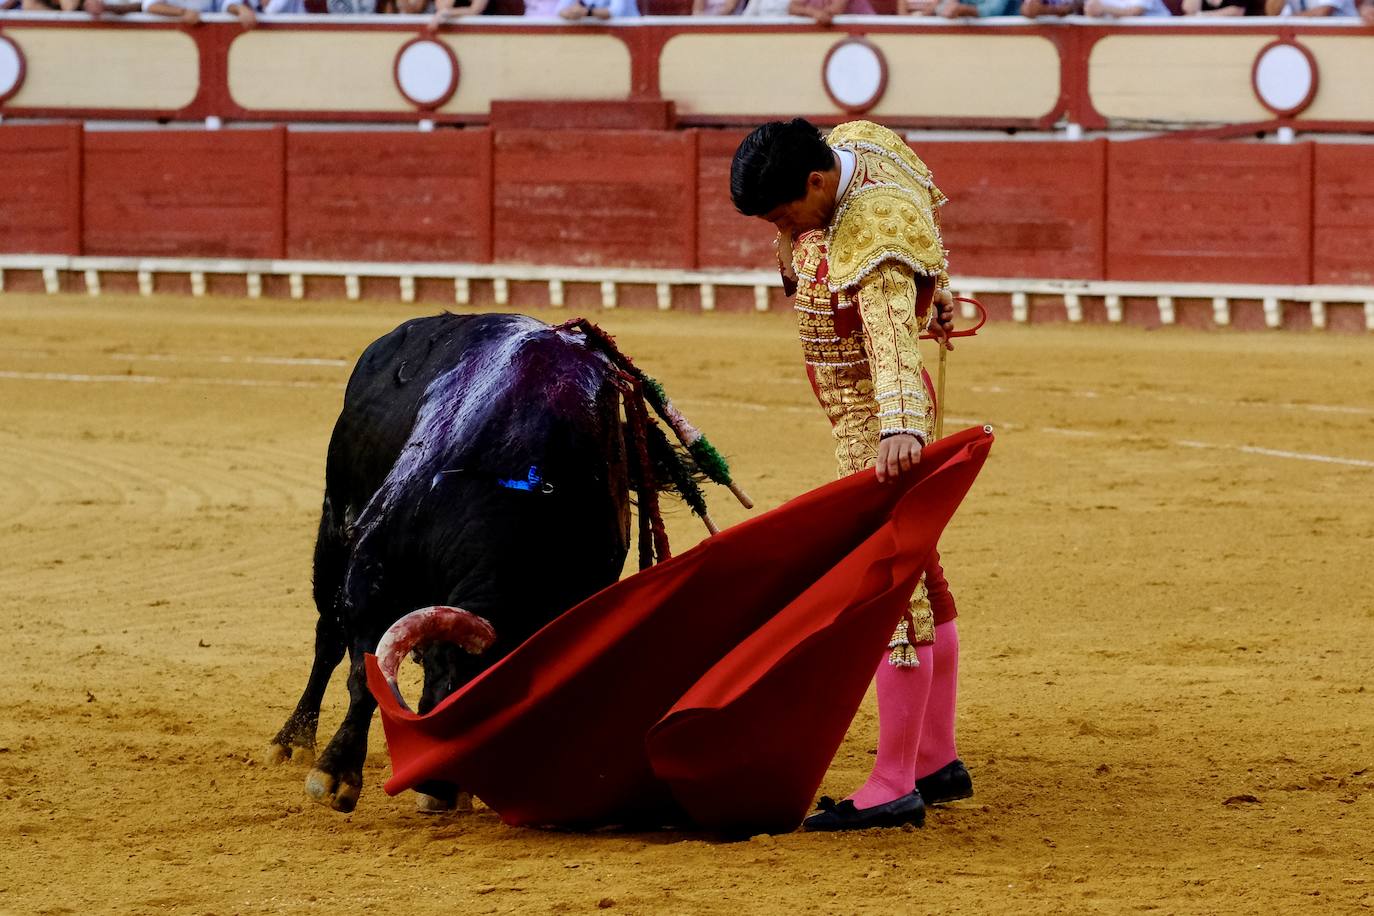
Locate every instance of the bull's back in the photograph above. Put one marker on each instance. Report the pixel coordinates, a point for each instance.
(385, 391)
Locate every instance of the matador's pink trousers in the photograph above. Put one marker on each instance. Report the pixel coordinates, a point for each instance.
(916, 706)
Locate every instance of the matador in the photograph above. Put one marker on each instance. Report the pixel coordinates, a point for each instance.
(860, 248)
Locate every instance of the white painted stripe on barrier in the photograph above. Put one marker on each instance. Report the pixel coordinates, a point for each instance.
(556, 294)
(297, 282)
(1273, 314)
(708, 297)
(253, 285)
(1318, 308)
(1073, 307)
(2, 279)
(93, 283)
(407, 289)
(1111, 290)
(1114, 312)
(500, 290)
(608, 295)
(353, 288)
(1166, 310)
(761, 298)
(462, 292)
(967, 309)
(664, 292)
(1356, 294)
(197, 283)
(1020, 308)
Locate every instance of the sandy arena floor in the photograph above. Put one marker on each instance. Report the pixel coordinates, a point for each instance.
(1167, 621)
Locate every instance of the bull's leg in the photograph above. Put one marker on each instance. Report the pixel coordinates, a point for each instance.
(296, 740)
(337, 778)
(440, 661)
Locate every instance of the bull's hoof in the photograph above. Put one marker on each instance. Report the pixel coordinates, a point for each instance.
(461, 803)
(332, 791)
(280, 753)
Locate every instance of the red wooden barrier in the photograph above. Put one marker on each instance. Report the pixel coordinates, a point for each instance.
(1343, 215)
(726, 239)
(1154, 211)
(40, 189)
(184, 194)
(1209, 212)
(1022, 209)
(389, 196)
(595, 198)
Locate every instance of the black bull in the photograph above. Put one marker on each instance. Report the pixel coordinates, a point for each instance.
(479, 461)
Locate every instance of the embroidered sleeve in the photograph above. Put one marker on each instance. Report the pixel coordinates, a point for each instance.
(887, 305)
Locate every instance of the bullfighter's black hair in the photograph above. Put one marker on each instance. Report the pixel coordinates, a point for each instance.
(772, 164)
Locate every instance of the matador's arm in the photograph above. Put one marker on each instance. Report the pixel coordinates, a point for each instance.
(887, 305)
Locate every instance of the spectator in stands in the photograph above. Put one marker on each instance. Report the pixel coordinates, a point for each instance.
(189, 11)
(1310, 8)
(1367, 12)
(446, 10)
(592, 10)
(978, 9)
(720, 7)
(1214, 7)
(94, 7)
(1037, 8)
(1124, 9)
(825, 11)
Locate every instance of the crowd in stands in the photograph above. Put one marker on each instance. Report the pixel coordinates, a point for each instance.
(821, 11)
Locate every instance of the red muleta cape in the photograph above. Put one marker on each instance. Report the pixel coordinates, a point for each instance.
(710, 691)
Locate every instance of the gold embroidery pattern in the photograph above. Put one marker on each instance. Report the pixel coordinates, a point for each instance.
(887, 304)
(822, 344)
(889, 212)
(846, 394)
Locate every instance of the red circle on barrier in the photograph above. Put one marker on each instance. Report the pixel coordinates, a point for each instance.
(8, 47)
(1272, 59)
(446, 91)
(856, 105)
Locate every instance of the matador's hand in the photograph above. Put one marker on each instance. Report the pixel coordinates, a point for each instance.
(942, 318)
(897, 455)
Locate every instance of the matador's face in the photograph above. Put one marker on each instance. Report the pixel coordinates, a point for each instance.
(810, 211)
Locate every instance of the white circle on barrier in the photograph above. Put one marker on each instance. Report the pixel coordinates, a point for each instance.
(1285, 78)
(426, 72)
(11, 67)
(855, 74)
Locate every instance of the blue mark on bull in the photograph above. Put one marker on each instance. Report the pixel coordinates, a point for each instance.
(532, 481)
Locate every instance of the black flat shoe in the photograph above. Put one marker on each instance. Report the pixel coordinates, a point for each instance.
(909, 809)
(949, 783)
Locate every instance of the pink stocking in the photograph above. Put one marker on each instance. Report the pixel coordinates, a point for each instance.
(902, 694)
(937, 732)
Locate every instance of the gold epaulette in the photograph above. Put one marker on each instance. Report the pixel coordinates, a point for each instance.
(890, 216)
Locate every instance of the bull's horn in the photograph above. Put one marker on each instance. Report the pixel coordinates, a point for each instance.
(439, 623)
